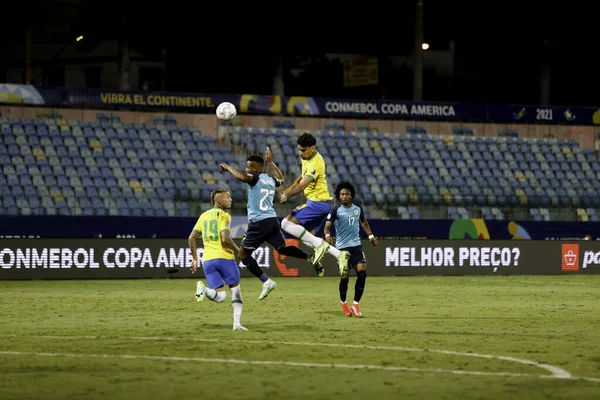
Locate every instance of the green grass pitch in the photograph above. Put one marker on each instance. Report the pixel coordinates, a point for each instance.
(495, 337)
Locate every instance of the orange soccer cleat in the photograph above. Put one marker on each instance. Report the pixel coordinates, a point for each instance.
(356, 310)
(346, 309)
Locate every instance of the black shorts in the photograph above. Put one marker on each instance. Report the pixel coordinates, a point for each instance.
(265, 230)
(357, 256)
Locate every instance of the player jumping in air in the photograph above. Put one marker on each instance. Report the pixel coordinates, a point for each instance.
(263, 225)
(218, 260)
(346, 218)
(310, 216)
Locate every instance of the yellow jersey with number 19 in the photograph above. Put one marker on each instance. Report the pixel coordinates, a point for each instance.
(210, 225)
(314, 168)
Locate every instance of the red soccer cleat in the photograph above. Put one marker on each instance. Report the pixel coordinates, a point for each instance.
(346, 309)
(356, 310)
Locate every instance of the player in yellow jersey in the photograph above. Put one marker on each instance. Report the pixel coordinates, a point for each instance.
(311, 216)
(218, 261)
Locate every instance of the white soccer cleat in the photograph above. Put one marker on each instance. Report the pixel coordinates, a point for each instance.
(266, 289)
(200, 291)
(319, 253)
(343, 262)
(319, 268)
(239, 328)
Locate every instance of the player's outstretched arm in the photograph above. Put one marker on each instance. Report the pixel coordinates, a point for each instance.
(239, 175)
(194, 235)
(365, 225)
(295, 183)
(327, 231)
(294, 188)
(228, 242)
(276, 171)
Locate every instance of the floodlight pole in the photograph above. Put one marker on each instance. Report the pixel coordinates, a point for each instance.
(124, 57)
(545, 76)
(28, 56)
(418, 54)
(278, 82)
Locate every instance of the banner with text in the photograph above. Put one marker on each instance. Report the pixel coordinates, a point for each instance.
(102, 259)
(296, 105)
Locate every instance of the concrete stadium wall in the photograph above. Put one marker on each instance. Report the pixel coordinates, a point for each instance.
(207, 123)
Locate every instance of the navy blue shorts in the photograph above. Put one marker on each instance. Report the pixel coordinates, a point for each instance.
(357, 255)
(312, 215)
(220, 270)
(266, 230)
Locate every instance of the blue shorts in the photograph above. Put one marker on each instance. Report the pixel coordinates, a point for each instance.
(219, 270)
(357, 256)
(312, 215)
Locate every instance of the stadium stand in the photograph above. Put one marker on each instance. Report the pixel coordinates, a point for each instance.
(461, 170)
(57, 167)
(51, 166)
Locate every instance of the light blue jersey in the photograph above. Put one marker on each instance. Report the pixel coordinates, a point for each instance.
(261, 190)
(346, 221)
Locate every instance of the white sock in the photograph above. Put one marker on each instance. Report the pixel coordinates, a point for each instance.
(210, 293)
(355, 302)
(301, 233)
(236, 304)
(221, 296)
(215, 296)
(334, 252)
(268, 281)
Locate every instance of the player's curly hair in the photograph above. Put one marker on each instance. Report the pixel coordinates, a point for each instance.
(307, 140)
(344, 185)
(214, 193)
(256, 158)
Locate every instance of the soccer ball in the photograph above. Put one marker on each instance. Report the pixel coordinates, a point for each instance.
(226, 111)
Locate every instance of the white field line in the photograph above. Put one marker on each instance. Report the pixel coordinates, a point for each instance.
(548, 282)
(290, 364)
(555, 371)
(554, 283)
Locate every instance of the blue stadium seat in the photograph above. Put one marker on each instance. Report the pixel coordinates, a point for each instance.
(39, 155)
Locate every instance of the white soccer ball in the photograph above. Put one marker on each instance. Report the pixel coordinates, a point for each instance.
(226, 111)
